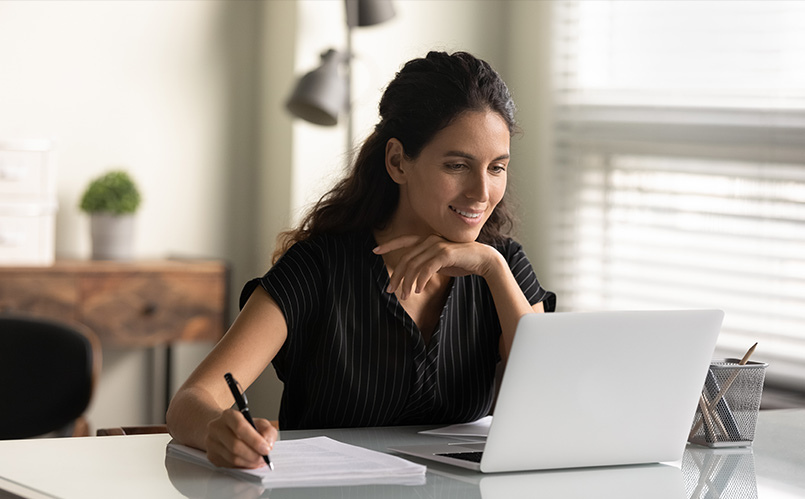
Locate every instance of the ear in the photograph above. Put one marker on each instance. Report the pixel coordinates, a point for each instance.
(395, 161)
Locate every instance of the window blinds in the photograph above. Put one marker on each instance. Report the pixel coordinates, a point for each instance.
(679, 155)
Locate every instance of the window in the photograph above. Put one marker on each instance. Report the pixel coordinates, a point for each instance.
(679, 155)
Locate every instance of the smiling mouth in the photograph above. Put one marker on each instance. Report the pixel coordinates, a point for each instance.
(466, 213)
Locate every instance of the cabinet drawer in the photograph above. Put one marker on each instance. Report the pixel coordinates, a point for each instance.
(52, 296)
(134, 304)
(27, 235)
(26, 175)
(145, 310)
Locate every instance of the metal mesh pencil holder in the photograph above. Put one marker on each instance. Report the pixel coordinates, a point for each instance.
(728, 407)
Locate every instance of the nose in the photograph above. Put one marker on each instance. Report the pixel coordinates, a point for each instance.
(477, 188)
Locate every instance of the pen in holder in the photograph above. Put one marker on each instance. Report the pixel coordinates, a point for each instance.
(729, 404)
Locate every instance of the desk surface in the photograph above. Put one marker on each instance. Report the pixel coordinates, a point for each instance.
(137, 467)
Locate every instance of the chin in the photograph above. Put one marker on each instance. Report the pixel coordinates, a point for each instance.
(462, 237)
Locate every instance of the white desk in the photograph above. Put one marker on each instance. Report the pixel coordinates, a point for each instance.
(136, 467)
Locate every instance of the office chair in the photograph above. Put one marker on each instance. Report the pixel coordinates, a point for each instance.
(47, 376)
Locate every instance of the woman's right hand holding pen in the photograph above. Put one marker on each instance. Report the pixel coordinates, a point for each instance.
(232, 442)
(201, 414)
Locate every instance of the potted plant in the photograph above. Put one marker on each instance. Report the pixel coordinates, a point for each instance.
(111, 201)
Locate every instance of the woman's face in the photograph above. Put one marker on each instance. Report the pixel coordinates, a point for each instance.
(457, 180)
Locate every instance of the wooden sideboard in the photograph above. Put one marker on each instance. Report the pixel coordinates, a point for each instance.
(127, 304)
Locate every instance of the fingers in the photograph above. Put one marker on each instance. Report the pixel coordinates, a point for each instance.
(422, 258)
(397, 243)
(267, 430)
(417, 267)
(232, 442)
(401, 277)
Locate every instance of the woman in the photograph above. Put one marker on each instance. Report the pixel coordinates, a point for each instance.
(399, 293)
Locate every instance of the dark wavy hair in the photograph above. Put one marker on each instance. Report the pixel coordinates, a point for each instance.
(425, 96)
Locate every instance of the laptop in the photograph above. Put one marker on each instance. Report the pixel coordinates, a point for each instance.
(592, 389)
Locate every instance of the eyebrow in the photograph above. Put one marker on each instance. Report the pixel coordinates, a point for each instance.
(467, 155)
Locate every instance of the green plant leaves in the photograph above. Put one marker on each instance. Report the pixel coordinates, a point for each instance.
(115, 192)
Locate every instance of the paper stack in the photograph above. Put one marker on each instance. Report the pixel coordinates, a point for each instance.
(318, 461)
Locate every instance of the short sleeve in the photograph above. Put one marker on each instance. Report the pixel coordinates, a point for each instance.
(295, 282)
(524, 275)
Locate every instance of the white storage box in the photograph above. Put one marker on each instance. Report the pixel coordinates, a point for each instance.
(27, 233)
(27, 202)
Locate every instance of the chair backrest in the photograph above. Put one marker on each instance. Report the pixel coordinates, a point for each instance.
(47, 375)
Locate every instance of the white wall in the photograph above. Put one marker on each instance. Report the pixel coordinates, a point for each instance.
(165, 89)
(189, 95)
(133, 84)
(528, 75)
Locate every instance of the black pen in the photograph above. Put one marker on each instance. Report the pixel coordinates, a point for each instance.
(243, 407)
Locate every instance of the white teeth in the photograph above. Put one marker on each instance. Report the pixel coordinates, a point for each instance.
(466, 214)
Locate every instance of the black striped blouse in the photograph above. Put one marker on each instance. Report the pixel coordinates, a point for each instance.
(353, 356)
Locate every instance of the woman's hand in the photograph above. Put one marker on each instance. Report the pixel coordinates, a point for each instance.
(233, 443)
(419, 259)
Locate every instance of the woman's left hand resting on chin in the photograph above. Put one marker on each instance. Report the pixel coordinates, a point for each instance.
(421, 258)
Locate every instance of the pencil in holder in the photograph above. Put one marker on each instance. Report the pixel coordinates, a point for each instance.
(728, 407)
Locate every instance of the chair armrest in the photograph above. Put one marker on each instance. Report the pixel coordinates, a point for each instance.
(132, 430)
(145, 430)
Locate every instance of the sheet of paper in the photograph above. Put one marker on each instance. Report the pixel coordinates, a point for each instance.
(318, 461)
(478, 428)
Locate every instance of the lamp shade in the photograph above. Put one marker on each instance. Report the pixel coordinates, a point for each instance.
(321, 94)
(368, 12)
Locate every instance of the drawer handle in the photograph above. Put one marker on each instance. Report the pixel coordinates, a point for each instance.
(13, 172)
(12, 238)
(150, 308)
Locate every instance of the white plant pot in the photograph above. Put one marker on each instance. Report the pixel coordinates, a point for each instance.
(112, 236)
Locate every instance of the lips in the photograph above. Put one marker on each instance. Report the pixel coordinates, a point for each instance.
(467, 214)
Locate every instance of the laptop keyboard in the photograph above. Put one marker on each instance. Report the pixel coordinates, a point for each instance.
(475, 457)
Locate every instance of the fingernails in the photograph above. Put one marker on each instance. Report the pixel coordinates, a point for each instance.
(263, 450)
